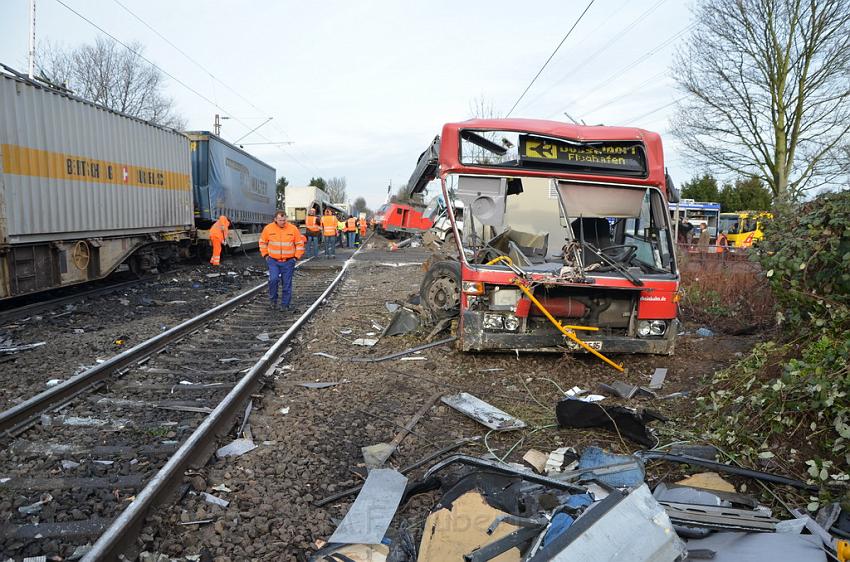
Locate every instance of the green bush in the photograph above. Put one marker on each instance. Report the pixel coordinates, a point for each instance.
(790, 398)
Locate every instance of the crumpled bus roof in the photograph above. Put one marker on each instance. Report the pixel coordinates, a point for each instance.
(450, 145)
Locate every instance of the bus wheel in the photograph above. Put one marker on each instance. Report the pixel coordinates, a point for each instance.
(440, 290)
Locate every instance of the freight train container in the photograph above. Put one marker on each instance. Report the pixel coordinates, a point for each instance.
(84, 189)
(229, 181)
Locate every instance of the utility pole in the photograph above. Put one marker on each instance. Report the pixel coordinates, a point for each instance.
(32, 40)
(217, 126)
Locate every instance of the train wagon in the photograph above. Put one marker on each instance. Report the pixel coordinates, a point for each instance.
(84, 189)
(229, 181)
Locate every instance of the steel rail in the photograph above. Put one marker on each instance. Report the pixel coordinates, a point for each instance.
(121, 533)
(13, 420)
(15, 313)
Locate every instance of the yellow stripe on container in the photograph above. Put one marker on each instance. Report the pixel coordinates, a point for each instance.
(24, 161)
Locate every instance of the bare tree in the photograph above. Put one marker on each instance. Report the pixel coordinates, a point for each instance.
(768, 90)
(335, 188)
(108, 74)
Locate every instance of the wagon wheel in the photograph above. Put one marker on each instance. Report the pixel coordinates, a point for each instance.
(81, 255)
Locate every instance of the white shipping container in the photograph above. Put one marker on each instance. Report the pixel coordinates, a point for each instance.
(70, 169)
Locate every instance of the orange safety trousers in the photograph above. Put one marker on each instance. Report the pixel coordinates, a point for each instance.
(216, 253)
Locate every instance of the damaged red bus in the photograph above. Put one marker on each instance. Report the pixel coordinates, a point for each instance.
(562, 225)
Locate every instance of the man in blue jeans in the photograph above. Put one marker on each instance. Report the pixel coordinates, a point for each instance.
(282, 244)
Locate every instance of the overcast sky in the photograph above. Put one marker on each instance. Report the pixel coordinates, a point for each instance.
(361, 88)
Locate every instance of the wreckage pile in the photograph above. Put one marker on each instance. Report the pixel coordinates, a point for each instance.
(587, 505)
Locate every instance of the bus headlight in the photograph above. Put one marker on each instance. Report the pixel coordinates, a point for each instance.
(647, 328)
(511, 322)
(494, 322)
(657, 327)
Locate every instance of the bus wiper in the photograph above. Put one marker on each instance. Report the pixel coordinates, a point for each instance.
(625, 272)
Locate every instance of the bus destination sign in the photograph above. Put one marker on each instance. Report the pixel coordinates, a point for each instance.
(615, 157)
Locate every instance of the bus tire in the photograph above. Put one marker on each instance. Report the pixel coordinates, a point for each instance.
(440, 290)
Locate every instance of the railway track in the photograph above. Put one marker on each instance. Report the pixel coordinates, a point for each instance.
(86, 460)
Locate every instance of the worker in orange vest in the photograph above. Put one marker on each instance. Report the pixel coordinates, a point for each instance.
(313, 229)
(282, 244)
(329, 225)
(362, 224)
(351, 229)
(218, 234)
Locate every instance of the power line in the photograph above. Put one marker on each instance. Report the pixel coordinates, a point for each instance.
(596, 52)
(656, 110)
(634, 63)
(216, 79)
(150, 62)
(550, 58)
(626, 93)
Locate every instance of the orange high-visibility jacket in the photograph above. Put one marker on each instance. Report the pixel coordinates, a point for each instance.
(219, 230)
(351, 225)
(362, 224)
(281, 243)
(312, 224)
(329, 225)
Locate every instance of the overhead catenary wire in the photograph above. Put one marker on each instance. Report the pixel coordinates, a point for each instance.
(598, 51)
(216, 79)
(165, 72)
(539, 72)
(644, 57)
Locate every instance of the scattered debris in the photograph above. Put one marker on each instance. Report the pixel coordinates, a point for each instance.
(624, 390)
(236, 448)
(657, 380)
(373, 510)
(704, 333)
(391, 306)
(400, 353)
(707, 481)
(482, 412)
(377, 455)
(403, 321)
(320, 384)
(346, 331)
(626, 422)
(36, 507)
(24, 347)
(555, 460)
(52, 382)
(215, 500)
(537, 460)
(284, 410)
(263, 336)
(328, 355)
(614, 470)
(365, 342)
(68, 465)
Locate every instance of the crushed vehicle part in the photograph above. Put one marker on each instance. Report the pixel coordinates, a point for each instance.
(631, 474)
(721, 518)
(624, 421)
(701, 496)
(369, 517)
(719, 467)
(633, 525)
(403, 321)
(482, 412)
(502, 469)
(352, 552)
(759, 547)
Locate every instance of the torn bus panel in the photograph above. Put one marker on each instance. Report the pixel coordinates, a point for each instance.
(580, 216)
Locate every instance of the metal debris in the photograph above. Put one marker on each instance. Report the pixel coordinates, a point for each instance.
(373, 510)
(482, 412)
